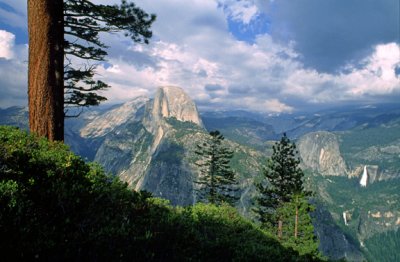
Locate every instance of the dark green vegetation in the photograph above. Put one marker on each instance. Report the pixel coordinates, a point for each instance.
(283, 204)
(83, 21)
(54, 206)
(391, 241)
(283, 179)
(217, 181)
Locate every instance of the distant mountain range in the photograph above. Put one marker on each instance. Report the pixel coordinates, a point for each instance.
(150, 144)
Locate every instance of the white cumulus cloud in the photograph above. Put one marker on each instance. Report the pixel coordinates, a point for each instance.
(7, 40)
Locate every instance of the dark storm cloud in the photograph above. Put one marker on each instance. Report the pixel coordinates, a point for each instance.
(331, 33)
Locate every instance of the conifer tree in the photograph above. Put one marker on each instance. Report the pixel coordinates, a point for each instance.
(69, 31)
(283, 203)
(297, 227)
(283, 179)
(217, 182)
(83, 22)
(45, 68)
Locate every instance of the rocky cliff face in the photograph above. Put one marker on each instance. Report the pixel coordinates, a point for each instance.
(333, 242)
(320, 152)
(171, 101)
(150, 144)
(100, 125)
(140, 144)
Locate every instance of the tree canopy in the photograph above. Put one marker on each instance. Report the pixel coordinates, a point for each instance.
(283, 203)
(217, 180)
(283, 179)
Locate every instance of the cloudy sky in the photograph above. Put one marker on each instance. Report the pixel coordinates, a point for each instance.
(271, 56)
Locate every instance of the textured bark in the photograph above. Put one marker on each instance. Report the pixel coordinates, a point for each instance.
(46, 68)
(296, 222)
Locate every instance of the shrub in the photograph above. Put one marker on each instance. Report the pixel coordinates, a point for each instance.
(54, 206)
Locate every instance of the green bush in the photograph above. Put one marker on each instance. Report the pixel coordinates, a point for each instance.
(54, 206)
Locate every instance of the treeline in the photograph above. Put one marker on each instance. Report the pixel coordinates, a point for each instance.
(383, 246)
(54, 206)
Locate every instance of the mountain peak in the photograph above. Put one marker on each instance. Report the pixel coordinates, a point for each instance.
(172, 101)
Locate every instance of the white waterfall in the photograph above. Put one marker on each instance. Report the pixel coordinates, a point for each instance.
(364, 178)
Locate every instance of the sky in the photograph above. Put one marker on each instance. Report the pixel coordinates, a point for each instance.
(270, 56)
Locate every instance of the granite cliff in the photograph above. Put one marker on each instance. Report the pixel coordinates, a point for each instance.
(150, 144)
(320, 152)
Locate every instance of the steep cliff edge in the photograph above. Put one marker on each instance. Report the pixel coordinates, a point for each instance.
(170, 101)
(320, 152)
(142, 149)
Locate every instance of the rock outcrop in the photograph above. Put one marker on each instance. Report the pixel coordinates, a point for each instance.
(140, 144)
(103, 124)
(171, 101)
(320, 152)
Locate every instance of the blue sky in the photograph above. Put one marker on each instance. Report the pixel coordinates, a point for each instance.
(271, 56)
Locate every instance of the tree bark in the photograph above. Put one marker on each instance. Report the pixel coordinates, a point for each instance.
(280, 223)
(46, 68)
(296, 222)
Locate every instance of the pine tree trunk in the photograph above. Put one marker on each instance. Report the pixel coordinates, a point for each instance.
(280, 228)
(296, 222)
(46, 68)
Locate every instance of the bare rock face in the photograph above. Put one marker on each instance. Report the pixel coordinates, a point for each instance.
(171, 101)
(103, 124)
(141, 147)
(320, 152)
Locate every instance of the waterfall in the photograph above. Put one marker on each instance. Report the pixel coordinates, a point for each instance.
(364, 178)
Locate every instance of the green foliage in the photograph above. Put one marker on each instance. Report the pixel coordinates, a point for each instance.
(305, 241)
(224, 235)
(54, 206)
(83, 22)
(284, 201)
(217, 179)
(283, 179)
(384, 247)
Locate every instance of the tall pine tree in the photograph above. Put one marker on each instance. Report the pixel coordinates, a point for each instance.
(217, 182)
(283, 204)
(80, 21)
(283, 179)
(297, 228)
(45, 68)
